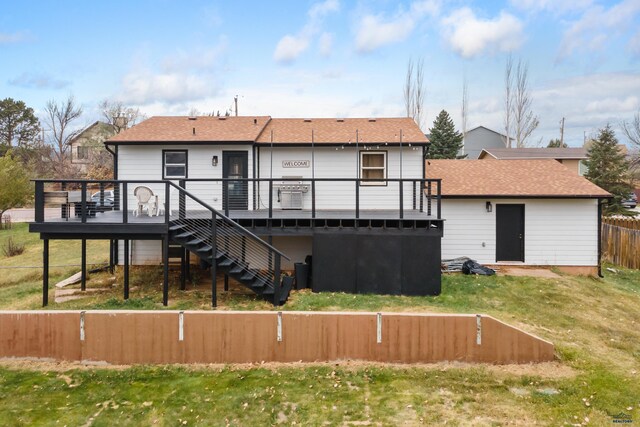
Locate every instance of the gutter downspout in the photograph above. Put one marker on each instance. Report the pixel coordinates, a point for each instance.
(600, 238)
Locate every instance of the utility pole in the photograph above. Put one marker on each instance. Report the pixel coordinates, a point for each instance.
(235, 100)
(562, 132)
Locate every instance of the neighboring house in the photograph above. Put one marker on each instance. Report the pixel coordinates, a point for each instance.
(347, 192)
(523, 212)
(479, 138)
(88, 142)
(572, 157)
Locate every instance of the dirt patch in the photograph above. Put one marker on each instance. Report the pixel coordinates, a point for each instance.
(548, 370)
(528, 272)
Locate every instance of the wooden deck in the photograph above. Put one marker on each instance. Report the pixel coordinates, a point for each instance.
(116, 217)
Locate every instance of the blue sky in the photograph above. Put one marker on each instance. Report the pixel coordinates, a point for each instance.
(327, 58)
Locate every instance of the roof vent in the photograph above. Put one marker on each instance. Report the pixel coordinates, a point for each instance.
(340, 120)
(192, 117)
(307, 120)
(372, 120)
(222, 118)
(194, 131)
(255, 121)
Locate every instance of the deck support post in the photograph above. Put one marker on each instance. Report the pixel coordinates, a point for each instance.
(187, 264)
(45, 272)
(214, 251)
(165, 270)
(111, 256)
(276, 281)
(126, 269)
(83, 275)
(226, 282)
(183, 269)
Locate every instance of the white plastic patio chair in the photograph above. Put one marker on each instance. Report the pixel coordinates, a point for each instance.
(146, 201)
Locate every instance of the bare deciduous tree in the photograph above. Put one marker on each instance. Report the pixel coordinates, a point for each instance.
(519, 119)
(59, 118)
(465, 109)
(524, 120)
(508, 99)
(415, 92)
(631, 130)
(120, 116)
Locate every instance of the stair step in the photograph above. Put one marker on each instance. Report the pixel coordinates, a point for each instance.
(249, 275)
(260, 283)
(184, 235)
(177, 227)
(237, 269)
(195, 242)
(204, 249)
(227, 262)
(287, 284)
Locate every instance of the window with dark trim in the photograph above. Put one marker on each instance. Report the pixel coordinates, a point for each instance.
(174, 164)
(373, 165)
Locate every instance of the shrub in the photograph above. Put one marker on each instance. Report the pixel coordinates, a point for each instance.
(12, 248)
(5, 222)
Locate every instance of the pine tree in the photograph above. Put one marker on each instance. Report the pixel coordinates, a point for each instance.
(608, 168)
(446, 142)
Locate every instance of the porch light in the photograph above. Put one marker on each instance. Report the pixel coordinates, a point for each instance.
(489, 207)
(214, 161)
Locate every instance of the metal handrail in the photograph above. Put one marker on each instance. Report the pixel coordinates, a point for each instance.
(229, 221)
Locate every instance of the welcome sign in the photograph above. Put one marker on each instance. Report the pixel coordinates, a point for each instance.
(296, 163)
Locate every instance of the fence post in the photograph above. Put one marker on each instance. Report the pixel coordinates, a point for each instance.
(357, 198)
(439, 197)
(313, 198)
(400, 187)
(270, 198)
(167, 203)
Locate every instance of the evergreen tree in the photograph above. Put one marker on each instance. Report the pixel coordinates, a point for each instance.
(19, 126)
(446, 142)
(608, 168)
(556, 143)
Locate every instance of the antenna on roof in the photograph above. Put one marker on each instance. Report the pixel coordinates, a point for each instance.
(235, 100)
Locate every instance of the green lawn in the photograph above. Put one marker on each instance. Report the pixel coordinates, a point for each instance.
(594, 324)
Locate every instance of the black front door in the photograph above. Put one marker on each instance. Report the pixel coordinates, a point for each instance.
(235, 165)
(509, 232)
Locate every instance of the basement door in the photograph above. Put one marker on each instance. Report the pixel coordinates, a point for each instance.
(509, 232)
(235, 165)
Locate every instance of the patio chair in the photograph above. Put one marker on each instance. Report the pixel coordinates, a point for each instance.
(146, 201)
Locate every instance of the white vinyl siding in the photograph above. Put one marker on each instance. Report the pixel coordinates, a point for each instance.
(145, 163)
(557, 231)
(342, 162)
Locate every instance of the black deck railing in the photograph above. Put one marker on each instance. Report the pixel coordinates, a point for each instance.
(207, 225)
(355, 194)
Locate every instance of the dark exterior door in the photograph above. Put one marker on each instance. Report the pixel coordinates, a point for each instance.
(509, 232)
(235, 165)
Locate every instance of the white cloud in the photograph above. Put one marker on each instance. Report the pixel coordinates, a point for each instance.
(613, 104)
(554, 6)
(634, 45)
(290, 47)
(38, 81)
(470, 36)
(326, 44)
(11, 38)
(374, 32)
(596, 26)
(377, 30)
(145, 87)
(319, 10)
(182, 77)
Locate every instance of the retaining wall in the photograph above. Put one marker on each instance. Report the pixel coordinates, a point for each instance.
(131, 337)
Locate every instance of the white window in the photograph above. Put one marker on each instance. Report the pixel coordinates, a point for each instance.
(174, 164)
(582, 168)
(83, 153)
(373, 165)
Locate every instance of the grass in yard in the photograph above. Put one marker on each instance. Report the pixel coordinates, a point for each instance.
(594, 324)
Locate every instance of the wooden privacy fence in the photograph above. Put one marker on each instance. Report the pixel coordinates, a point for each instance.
(621, 241)
(131, 337)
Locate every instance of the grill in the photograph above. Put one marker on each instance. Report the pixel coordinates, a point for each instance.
(290, 192)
